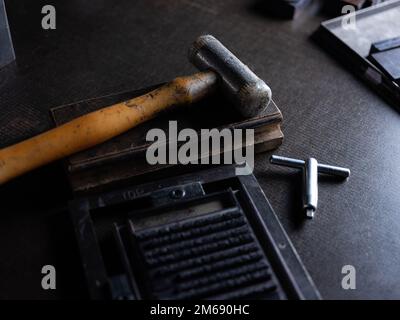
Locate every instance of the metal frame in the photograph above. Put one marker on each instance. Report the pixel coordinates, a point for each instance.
(274, 241)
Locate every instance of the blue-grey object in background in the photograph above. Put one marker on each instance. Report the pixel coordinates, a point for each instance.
(6, 47)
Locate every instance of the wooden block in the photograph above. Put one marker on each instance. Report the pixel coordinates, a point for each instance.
(123, 157)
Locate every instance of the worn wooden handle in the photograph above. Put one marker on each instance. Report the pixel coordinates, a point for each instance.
(99, 126)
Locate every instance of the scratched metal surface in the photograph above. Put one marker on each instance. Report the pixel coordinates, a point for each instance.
(105, 46)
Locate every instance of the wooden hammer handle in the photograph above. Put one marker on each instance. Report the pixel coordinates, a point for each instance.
(101, 125)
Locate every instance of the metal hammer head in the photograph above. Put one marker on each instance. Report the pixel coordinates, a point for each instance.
(246, 91)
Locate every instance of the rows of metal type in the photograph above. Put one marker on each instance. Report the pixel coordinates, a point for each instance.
(214, 256)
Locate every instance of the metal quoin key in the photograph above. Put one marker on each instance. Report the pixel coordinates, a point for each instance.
(310, 168)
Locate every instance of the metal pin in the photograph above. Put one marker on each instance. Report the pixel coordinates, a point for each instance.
(310, 181)
(310, 168)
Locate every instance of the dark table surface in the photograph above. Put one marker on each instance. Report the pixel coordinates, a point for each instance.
(103, 46)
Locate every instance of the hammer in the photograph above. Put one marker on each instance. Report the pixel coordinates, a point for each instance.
(219, 69)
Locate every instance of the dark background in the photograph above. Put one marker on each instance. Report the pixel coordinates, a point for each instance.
(106, 46)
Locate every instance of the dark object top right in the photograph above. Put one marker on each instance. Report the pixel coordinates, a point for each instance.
(368, 43)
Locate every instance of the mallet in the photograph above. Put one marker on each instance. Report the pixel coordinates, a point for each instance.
(220, 69)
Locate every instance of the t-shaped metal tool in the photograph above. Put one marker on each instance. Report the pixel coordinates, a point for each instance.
(310, 168)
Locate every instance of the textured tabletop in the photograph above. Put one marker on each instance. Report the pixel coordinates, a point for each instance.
(104, 46)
